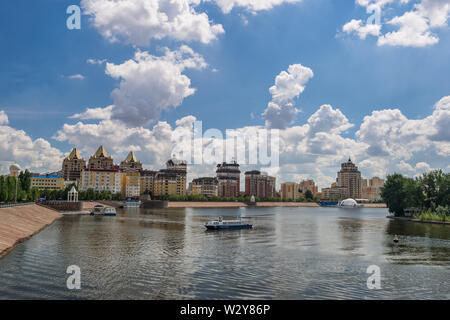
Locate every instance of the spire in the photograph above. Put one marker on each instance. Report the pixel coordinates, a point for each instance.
(74, 155)
(131, 157)
(101, 152)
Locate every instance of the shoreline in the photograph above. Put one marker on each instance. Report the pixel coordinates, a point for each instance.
(18, 224)
(206, 204)
(446, 223)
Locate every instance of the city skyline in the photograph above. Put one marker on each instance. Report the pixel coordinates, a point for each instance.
(346, 95)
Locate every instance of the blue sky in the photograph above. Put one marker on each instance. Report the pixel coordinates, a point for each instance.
(356, 76)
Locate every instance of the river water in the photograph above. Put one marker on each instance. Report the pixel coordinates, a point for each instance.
(292, 253)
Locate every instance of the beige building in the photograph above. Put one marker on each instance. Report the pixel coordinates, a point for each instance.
(131, 184)
(101, 160)
(309, 185)
(334, 193)
(47, 182)
(72, 166)
(207, 187)
(350, 178)
(229, 177)
(101, 180)
(371, 188)
(290, 191)
(179, 169)
(165, 184)
(131, 163)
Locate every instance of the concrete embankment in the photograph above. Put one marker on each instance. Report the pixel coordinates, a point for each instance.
(187, 204)
(19, 223)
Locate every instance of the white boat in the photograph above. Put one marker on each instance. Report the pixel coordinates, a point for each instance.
(227, 224)
(349, 204)
(103, 211)
(132, 204)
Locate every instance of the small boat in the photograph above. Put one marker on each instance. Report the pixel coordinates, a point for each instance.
(227, 224)
(103, 211)
(131, 204)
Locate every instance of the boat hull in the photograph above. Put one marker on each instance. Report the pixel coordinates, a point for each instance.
(224, 227)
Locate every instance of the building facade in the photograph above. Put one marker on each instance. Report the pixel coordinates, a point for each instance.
(350, 178)
(130, 163)
(101, 161)
(310, 185)
(207, 187)
(178, 169)
(371, 188)
(165, 183)
(101, 180)
(131, 184)
(229, 178)
(335, 193)
(148, 181)
(72, 166)
(259, 184)
(290, 191)
(47, 182)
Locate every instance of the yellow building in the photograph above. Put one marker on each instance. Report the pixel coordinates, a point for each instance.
(101, 160)
(47, 182)
(131, 163)
(131, 184)
(165, 184)
(101, 180)
(147, 181)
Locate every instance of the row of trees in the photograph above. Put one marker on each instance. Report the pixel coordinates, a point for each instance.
(10, 187)
(426, 193)
(309, 197)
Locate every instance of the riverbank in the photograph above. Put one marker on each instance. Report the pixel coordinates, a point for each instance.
(17, 224)
(188, 204)
(418, 220)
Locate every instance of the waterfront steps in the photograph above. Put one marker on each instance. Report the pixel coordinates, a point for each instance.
(19, 223)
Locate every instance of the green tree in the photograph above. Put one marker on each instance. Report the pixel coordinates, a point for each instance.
(393, 194)
(309, 195)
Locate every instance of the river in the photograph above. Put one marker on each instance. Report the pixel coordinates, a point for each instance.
(291, 253)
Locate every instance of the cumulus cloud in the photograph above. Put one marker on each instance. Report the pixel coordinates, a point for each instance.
(251, 5)
(94, 113)
(149, 84)
(289, 84)
(17, 146)
(96, 61)
(414, 28)
(138, 21)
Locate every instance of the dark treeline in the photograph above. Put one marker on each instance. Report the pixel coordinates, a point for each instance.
(430, 194)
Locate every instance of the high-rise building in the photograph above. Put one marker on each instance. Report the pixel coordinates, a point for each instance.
(350, 178)
(335, 193)
(165, 183)
(207, 187)
(290, 191)
(179, 169)
(148, 181)
(259, 184)
(72, 166)
(229, 177)
(130, 163)
(101, 160)
(101, 180)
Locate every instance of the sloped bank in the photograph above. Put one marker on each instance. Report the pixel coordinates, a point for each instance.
(17, 224)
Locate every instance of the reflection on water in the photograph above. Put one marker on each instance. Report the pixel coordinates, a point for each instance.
(292, 253)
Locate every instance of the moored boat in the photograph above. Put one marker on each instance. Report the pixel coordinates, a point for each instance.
(100, 210)
(227, 224)
(349, 204)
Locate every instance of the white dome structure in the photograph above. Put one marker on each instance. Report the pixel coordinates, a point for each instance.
(349, 203)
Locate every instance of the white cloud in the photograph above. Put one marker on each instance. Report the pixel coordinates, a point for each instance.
(251, 5)
(149, 84)
(138, 21)
(414, 28)
(16, 146)
(94, 113)
(3, 118)
(76, 76)
(289, 84)
(362, 30)
(96, 61)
